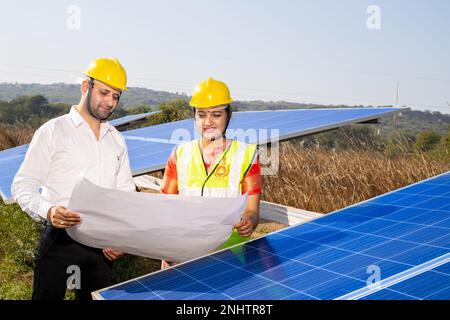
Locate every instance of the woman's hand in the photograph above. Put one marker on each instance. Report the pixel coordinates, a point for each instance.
(247, 225)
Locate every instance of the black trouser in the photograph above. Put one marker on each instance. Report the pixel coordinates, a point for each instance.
(57, 256)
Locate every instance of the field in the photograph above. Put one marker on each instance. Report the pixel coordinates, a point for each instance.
(310, 177)
(322, 180)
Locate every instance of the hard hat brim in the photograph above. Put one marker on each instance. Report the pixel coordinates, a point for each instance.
(107, 84)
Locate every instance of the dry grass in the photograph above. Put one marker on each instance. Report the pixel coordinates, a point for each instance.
(322, 180)
(12, 136)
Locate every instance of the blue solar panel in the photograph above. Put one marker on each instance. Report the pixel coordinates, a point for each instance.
(432, 285)
(150, 147)
(333, 257)
(10, 161)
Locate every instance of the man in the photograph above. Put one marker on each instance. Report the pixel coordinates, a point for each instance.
(80, 143)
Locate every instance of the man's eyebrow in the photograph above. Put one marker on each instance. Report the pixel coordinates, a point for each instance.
(108, 91)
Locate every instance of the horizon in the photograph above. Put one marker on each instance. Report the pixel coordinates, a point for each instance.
(249, 101)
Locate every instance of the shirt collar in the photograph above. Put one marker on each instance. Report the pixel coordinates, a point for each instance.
(78, 120)
(76, 117)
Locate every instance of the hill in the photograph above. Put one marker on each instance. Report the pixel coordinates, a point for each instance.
(70, 94)
(60, 95)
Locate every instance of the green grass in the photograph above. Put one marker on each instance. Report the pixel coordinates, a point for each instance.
(18, 236)
(130, 267)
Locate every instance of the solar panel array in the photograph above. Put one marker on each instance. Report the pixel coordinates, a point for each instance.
(395, 246)
(150, 147)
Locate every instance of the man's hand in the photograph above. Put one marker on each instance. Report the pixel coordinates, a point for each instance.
(111, 254)
(62, 218)
(246, 226)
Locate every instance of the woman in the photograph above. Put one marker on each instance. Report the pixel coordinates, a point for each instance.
(214, 166)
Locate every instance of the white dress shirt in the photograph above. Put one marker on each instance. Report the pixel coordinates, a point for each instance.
(62, 150)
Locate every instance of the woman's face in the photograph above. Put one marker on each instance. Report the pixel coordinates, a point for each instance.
(211, 122)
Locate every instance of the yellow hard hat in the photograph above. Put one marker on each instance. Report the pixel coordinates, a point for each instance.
(210, 93)
(108, 71)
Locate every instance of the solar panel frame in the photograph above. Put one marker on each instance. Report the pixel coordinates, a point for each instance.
(437, 257)
(330, 126)
(413, 288)
(131, 118)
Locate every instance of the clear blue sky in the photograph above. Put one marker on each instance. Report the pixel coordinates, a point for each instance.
(302, 51)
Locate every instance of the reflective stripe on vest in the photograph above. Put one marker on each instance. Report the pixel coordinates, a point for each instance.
(225, 178)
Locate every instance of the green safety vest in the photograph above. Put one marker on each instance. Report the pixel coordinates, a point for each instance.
(224, 179)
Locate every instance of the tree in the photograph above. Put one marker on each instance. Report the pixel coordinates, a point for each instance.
(118, 113)
(35, 104)
(139, 109)
(174, 110)
(427, 140)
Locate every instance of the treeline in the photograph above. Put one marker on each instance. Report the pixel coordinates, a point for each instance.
(30, 110)
(35, 110)
(410, 121)
(407, 132)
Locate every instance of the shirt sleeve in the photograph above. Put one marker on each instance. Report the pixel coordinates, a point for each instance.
(252, 182)
(124, 180)
(170, 180)
(31, 176)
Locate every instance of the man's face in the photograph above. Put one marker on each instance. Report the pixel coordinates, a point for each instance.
(104, 100)
(211, 122)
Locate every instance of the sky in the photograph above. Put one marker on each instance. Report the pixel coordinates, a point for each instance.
(352, 52)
